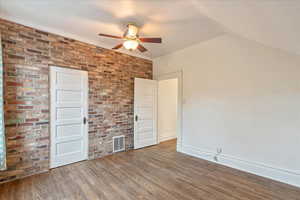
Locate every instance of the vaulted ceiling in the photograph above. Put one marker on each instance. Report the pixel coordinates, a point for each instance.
(180, 23)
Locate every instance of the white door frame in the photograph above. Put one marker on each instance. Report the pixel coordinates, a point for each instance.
(178, 75)
(52, 116)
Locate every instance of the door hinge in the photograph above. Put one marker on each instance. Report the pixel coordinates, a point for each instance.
(84, 120)
(136, 118)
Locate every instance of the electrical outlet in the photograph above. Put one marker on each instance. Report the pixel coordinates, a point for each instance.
(219, 151)
(216, 158)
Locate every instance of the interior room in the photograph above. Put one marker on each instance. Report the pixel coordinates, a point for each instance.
(139, 99)
(167, 108)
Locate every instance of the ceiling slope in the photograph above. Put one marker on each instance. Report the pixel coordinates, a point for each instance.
(180, 23)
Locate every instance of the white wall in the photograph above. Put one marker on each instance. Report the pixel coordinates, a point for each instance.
(167, 109)
(243, 97)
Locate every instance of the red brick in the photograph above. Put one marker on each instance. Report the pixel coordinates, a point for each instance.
(27, 57)
(14, 84)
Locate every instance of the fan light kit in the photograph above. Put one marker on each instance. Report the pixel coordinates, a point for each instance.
(130, 44)
(132, 40)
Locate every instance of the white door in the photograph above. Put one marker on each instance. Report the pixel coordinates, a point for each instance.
(145, 109)
(69, 105)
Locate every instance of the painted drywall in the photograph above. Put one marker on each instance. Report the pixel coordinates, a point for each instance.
(167, 109)
(243, 97)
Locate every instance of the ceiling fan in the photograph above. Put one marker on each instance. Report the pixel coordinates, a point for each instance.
(132, 40)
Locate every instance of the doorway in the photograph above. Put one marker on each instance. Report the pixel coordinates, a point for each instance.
(169, 112)
(158, 105)
(167, 109)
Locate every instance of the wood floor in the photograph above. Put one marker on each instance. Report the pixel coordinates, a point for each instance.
(157, 172)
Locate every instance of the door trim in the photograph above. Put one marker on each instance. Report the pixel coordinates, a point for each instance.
(52, 116)
(179, 76)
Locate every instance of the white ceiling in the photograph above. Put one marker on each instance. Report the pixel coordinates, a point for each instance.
(180, 23)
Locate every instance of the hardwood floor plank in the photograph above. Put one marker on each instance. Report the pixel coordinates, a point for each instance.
(157, 172)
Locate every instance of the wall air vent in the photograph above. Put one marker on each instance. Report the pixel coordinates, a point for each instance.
(118, 143)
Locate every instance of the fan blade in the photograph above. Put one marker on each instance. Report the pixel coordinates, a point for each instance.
(111, 36)
(118, 46)
(151, 40)
(142, 48)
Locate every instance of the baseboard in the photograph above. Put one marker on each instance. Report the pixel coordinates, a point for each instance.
(162, 139)
(278, 174)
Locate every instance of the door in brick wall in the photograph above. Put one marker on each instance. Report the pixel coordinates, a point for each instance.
(69, 107)
(145, 109)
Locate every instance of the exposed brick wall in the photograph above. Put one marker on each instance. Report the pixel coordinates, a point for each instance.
(28, 53)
